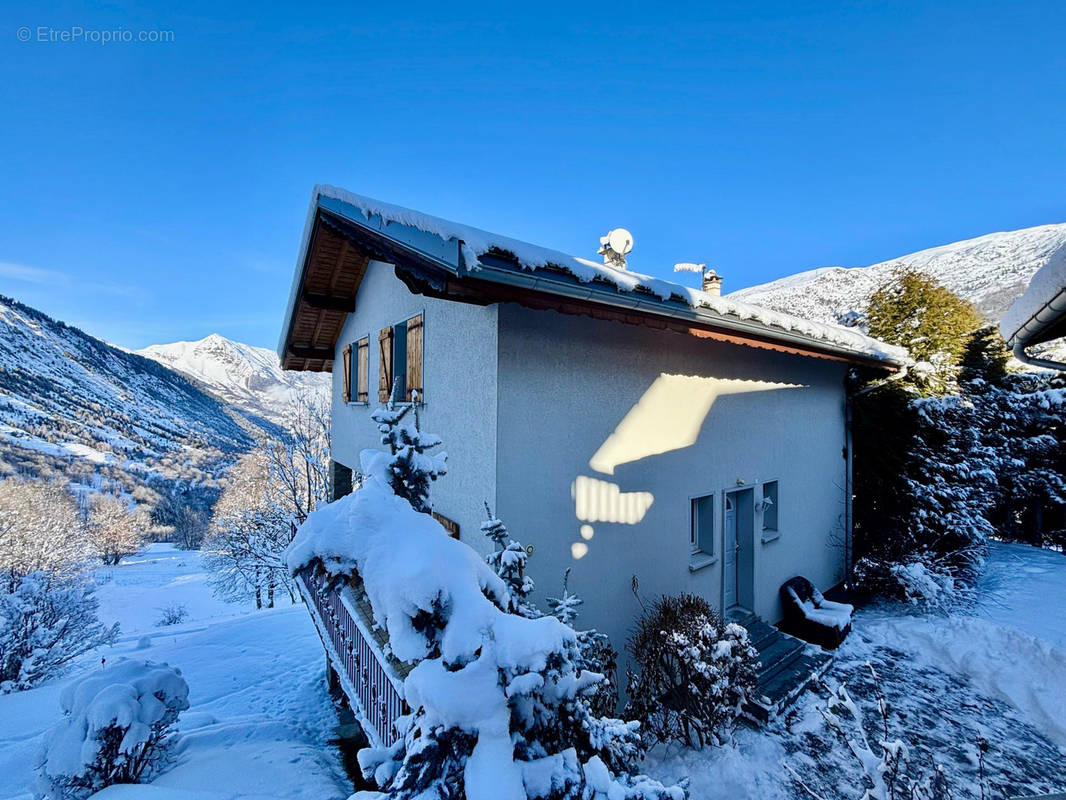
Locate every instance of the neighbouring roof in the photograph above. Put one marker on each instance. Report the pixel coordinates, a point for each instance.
(344, 231)
(1039, 315)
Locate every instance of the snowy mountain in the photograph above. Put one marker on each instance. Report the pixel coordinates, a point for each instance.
(989, 271)
(74, 404)
(247, 377)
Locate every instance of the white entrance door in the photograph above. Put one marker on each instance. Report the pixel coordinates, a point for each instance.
(729, 554)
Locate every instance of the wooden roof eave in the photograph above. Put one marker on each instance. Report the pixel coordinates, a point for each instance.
(499, 278)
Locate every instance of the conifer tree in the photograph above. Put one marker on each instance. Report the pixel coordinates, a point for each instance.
(597, 653)
(508, 560)
(915, 311)
(412, 469)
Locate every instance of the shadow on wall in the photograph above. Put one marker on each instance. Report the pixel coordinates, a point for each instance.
(669, 416)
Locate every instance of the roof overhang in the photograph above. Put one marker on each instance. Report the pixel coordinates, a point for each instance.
(340, 239)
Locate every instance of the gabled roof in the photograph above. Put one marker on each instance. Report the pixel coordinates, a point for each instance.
(344, 231)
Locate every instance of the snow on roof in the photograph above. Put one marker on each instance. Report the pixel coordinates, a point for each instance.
(531, 257)
(1047, 284)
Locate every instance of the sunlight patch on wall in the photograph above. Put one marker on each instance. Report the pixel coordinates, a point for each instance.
(600, 501)
(669, 417)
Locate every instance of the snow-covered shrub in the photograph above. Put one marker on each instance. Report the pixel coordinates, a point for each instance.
(694, 673)
(45, 623)
(498, 701)
(936, 477)
(40, 530)
(411, 469)
(597, 653)
(113, 529)
(116, 728)
(174, 614)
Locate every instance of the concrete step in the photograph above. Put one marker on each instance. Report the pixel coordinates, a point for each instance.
(787, 667)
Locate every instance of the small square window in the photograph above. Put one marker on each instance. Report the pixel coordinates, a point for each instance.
(770, 506)
(701, 534)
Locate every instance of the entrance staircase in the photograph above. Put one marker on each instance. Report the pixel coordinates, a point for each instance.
(787, 666)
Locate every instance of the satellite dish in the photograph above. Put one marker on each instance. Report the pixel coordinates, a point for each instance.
(620, 240)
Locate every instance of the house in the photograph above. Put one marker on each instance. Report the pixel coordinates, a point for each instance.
(639, 432)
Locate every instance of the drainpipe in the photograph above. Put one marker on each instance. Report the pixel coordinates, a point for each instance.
(847, 485)
(1025, 358)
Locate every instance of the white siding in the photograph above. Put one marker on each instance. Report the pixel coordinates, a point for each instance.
(566, 384)
(459, 375)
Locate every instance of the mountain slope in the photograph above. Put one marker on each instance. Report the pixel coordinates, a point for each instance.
(989, 271)
(67, 398)
(250, 378)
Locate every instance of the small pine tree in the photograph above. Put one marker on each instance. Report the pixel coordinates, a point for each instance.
(597, 653)
(508, 560)
(412, 469)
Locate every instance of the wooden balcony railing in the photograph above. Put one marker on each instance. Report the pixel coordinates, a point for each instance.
(372, 684)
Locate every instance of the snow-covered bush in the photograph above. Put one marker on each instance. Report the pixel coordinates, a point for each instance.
(40, 530)
(936, 477)
(114, 530)
(498, 701)
(116, 728)
(694, 673)
(174, 614)
(45, 623)
(597, 653)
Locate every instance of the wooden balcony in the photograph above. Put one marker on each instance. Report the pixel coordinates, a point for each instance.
(372, 682)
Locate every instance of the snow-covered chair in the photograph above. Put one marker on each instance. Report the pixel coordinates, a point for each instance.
(809, 616)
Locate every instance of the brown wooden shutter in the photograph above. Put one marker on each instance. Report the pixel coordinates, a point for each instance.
(385, 365)
(346, 394)
(414, 358)
(362, 374)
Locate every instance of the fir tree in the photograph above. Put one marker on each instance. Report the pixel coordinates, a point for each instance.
(597, 653)
(412, 469)
(508, 560)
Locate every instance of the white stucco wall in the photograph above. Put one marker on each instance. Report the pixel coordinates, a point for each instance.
(459, 375)
(573, 390)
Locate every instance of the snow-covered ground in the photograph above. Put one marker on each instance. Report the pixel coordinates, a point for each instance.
(259, 717)
(995, 670)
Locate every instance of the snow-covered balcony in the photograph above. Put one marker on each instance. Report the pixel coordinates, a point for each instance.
(356, 650)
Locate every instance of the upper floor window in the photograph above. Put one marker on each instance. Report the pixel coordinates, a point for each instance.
(400, 361)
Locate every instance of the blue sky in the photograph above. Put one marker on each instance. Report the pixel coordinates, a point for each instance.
(153, 192)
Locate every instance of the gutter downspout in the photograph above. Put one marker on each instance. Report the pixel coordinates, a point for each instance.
(1025, 358)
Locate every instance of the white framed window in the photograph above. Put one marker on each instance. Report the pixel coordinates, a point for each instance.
(770, 506)
(701, 529)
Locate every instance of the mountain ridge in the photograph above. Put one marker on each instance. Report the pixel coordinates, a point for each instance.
(989, 270)
(247, 377)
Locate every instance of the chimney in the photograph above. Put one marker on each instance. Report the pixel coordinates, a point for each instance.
(712, 283)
